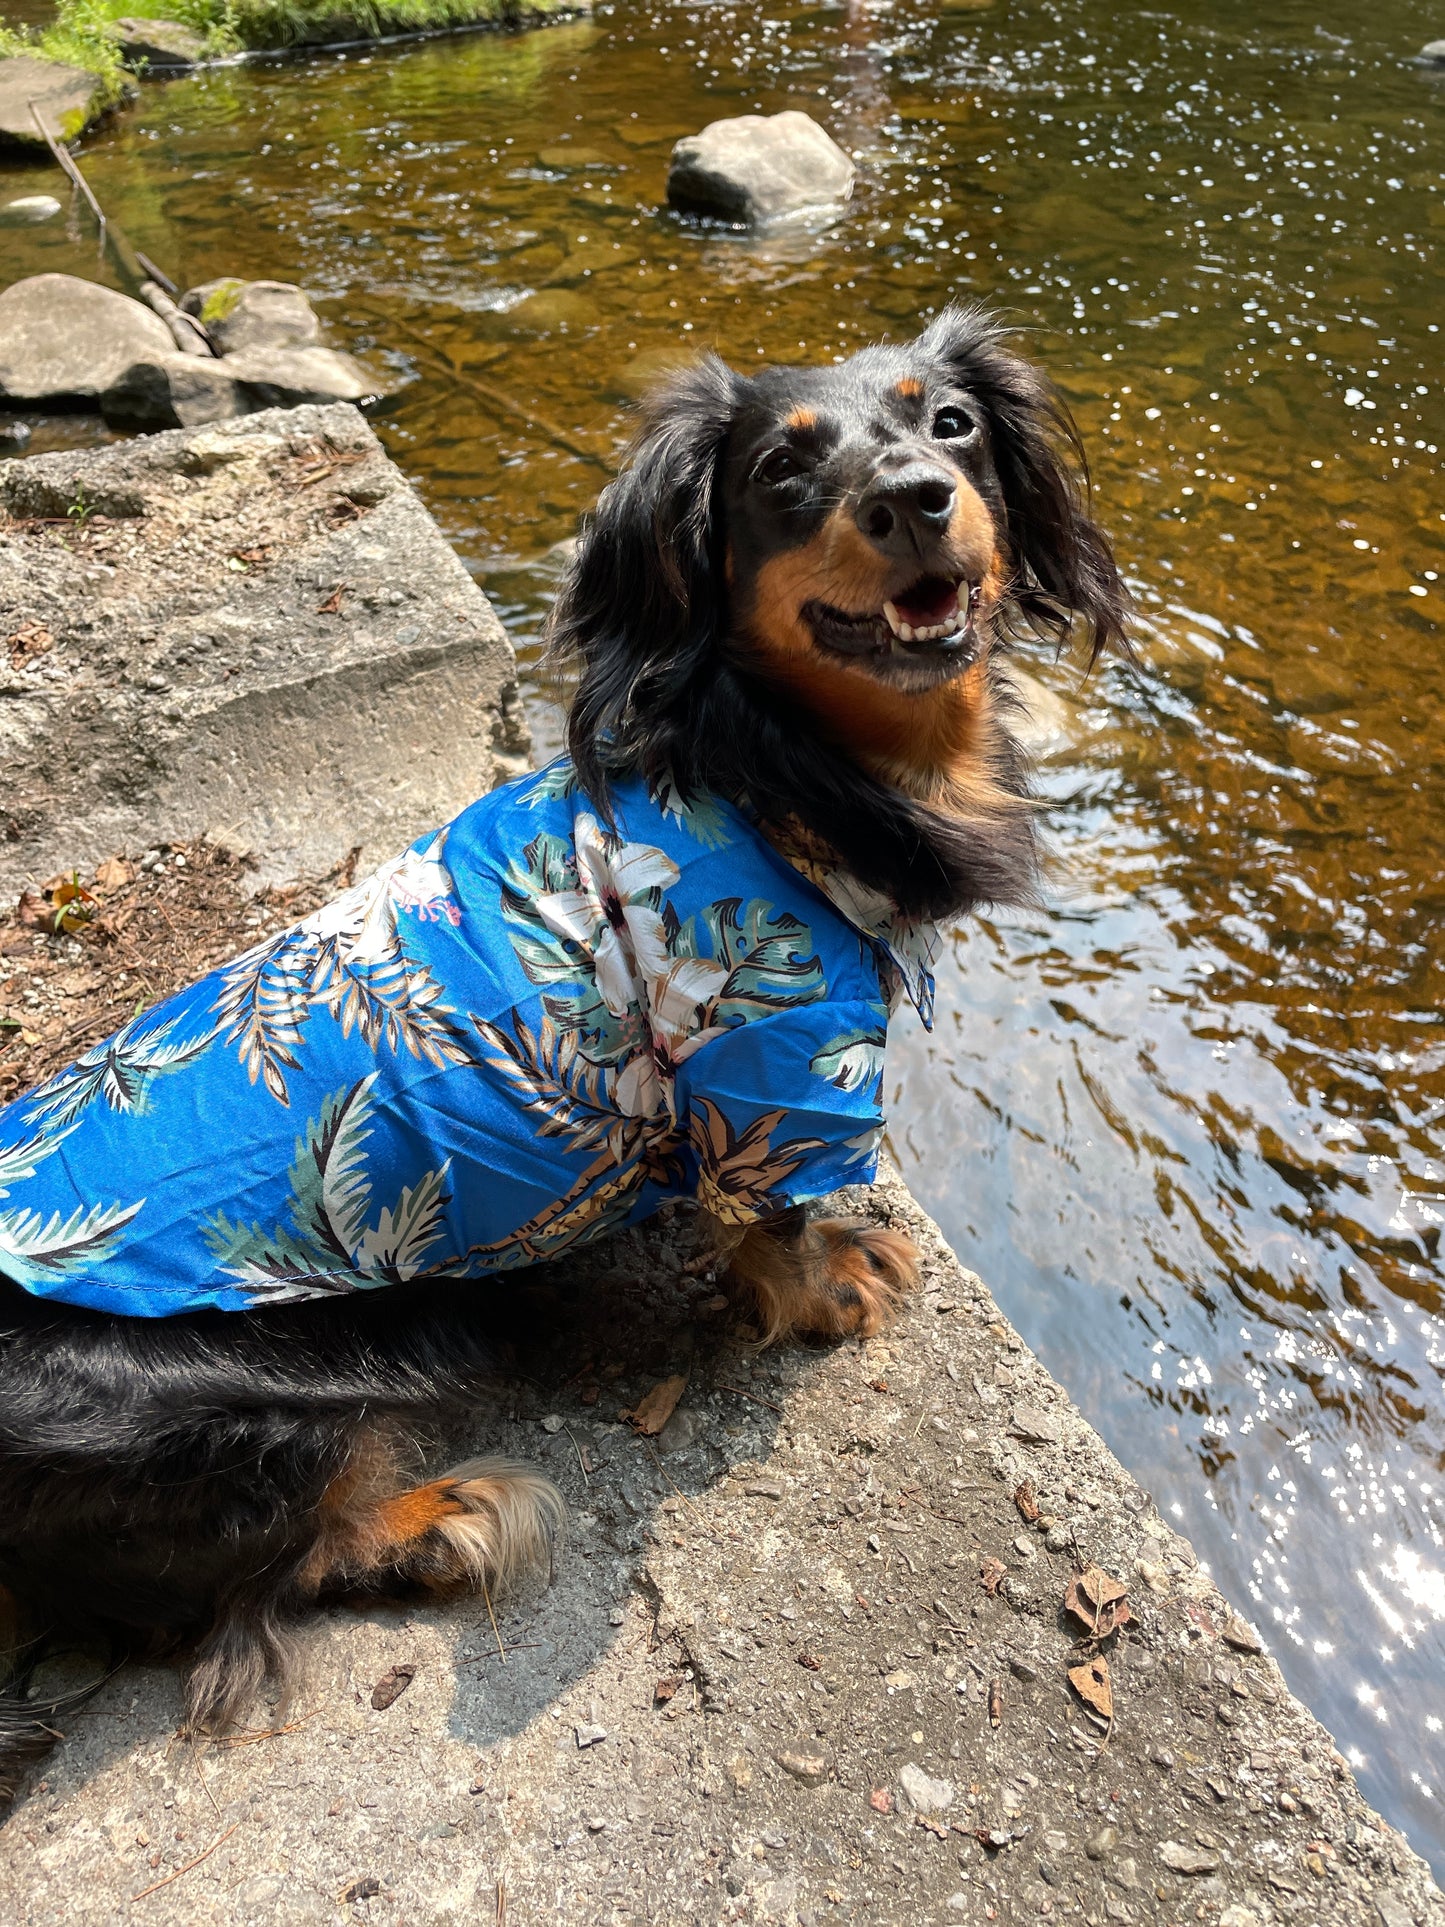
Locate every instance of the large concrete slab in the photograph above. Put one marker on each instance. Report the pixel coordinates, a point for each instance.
(252, 627)
(813, 1592)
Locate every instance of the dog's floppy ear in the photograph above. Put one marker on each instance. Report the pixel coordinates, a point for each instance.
(644, 601)
(1064, 566)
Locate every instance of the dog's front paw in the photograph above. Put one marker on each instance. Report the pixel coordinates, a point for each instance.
(860, 1274)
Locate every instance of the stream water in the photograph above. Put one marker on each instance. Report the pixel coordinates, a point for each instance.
(1190, 1123)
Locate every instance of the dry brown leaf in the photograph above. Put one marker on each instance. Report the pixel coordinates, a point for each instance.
(1092, 1684)
(992, 1573)
(1026, 1502)
(652, 1412)
(332, 605)
(114, 873)
(665, 1689)
(1097, 1601)
(30, 640)
(391, 1686)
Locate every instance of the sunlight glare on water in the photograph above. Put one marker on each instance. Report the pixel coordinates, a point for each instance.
(1187, 1122)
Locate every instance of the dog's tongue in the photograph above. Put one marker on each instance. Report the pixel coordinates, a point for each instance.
(929, 602)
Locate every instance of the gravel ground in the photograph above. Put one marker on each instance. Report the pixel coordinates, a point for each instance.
(805, 1658)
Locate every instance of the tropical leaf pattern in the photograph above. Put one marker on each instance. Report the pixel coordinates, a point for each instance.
(527, 1030)
(338, 1238)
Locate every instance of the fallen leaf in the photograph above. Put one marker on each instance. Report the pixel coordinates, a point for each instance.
(940, 1827)
(249, 556)
(992, 1572)
(666, 1689)
(1092, 1684)
(1027, 1504)
(33, 912)
(878, 1384)
(1097, 1600)
(811, 1661)
(652, 1412)
(589, 1395)
(390, 1687)
(332, 605)
(114, 872)
(30, 640)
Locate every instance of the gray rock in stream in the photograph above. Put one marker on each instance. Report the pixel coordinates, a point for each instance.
(253, 314)
(1432, 54)
(254, 628)
(759, 167)
(181, 391)
(68, 99)
(66, 340)
(158, 46)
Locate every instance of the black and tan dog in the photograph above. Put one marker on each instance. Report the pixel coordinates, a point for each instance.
(794, 594)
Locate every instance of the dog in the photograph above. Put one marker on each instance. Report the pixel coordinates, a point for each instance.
(661, 967)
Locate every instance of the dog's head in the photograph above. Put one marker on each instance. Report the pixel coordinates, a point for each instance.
(812, 566)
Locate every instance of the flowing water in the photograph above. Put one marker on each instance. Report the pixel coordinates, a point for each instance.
(1190, 1123)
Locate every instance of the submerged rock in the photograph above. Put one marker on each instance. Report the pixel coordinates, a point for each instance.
(28, 210)
(253, 314)
(1432, 54)
(67, 99)
(158, 46)
(64, 339)
(759, 167)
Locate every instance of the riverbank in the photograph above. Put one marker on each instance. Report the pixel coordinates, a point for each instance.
(881, 1633)
(108, 41)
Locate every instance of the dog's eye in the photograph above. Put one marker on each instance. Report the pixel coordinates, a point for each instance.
(952, 425)
(781, 466)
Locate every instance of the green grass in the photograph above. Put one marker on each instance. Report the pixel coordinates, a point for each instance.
(81, 33)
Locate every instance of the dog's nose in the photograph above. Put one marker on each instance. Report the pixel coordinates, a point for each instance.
(903, 511)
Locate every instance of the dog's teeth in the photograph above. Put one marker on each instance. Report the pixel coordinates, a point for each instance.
(891, 617)
(905, 632)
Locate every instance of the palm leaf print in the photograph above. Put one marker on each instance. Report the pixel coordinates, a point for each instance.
(120, 1071)
(36, 1250)
(768, 955)
(738, 1170)
(349, 959)
(331, 1244)
(853, 1061)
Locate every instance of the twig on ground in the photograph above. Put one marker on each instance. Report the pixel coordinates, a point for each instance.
(156, 1886)
(738, 1392)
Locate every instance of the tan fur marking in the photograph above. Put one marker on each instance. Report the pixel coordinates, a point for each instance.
(910, 387)
(937, 744)
(836, 1280)
(801, 417)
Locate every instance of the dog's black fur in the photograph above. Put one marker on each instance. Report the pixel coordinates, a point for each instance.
(166, 1480)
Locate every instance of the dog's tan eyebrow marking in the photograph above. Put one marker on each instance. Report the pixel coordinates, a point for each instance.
(800, 417)
(910, 387)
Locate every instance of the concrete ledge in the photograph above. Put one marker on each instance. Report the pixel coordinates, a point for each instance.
(770, 1627)
(254, 627)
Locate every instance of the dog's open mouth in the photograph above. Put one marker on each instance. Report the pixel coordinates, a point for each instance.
(932, 617)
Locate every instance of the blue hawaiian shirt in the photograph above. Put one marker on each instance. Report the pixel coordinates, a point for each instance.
(528, 1030)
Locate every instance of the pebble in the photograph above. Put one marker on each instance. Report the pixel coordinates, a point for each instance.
(1180, 1858)
(589, 1736)
(923, 1793)
(1033, 1423)
(1059, 1538)
(1021, 1669)
(763, 1489)
(1101, 1843)
(807, 1765)
(1239, 1634)
(899, 1681)
(1025, 1547)
(553, 1422)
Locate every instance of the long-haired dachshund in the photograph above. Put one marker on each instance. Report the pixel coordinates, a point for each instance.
(661, 967)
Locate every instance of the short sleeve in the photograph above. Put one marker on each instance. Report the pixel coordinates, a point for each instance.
(784, 1108)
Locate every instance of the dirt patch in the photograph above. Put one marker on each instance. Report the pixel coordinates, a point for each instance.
(84, 954)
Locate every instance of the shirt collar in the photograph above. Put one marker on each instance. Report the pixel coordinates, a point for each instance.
(907, 947)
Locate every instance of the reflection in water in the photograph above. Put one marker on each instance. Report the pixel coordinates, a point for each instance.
(1188, 1123)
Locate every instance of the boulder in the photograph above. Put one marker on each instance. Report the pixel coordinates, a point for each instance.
(289, 377)
(258, 631)
(758, 167)
(174, 391)
(158, 46)
(64, 339)
(28, 210)
(253, 314)
(67, 98)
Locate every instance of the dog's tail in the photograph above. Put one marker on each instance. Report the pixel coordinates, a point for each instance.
(30, 1721)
